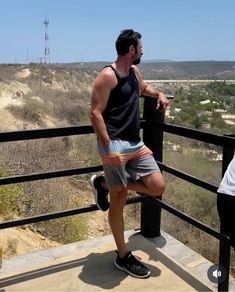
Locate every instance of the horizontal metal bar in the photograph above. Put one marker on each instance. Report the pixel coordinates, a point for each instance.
(189, 219)
(60, 214)
(189, 178)
(91, 208)
(169, 96)
(46, 217)
(45, 133)
(49, 175)
(219, 140)
(78, 171)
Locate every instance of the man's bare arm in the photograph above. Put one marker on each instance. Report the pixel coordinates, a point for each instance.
(148, 90)
(103, 85)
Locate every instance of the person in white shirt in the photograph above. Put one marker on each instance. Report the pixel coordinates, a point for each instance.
(226, 201)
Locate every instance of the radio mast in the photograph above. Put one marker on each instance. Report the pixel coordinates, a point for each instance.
(46, 49)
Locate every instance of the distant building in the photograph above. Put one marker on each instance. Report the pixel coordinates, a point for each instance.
(205, 101)
(228, 117)
(218, 110)
(177, 110)
(205, 126)
(229, 122)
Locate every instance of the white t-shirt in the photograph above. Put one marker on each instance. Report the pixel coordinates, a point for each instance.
(227, 185)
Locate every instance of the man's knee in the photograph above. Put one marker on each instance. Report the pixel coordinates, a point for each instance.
(161, 187)
(158, 188)
(156, 184)
(117, 195)
(118, 189)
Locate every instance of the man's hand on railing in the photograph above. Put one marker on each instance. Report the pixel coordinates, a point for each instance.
(162, 102)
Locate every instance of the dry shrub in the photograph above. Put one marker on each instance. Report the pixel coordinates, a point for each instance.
(65, 230)
(31, 111)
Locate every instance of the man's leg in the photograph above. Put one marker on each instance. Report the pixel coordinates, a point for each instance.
(151, 184)
(116, 181)
(117, 197)
(125, 260)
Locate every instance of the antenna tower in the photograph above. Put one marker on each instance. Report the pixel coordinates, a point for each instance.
(47, 49)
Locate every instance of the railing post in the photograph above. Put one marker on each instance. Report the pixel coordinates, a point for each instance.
(153, 139)
(224, 245)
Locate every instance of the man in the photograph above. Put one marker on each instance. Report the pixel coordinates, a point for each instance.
(127, 162)
(226, 201)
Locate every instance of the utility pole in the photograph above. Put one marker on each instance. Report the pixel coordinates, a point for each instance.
(46, 49)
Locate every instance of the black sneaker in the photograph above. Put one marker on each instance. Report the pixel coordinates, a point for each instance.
(131, 265)
(100, 192)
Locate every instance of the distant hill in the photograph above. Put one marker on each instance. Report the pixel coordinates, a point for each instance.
(162, 69)
(189, 70)
(156, 61)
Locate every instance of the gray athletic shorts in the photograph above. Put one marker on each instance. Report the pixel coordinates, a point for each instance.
(125, 160)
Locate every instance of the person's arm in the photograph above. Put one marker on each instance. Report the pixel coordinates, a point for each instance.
(102, 87)
(148, 90)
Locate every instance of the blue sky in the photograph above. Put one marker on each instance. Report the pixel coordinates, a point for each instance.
(86, 30)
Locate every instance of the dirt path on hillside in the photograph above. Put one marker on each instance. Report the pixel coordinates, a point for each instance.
(8, 100)
(17, 241)
(12, 93)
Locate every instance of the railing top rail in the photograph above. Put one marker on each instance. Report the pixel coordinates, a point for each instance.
(45, 133)
(220, 140)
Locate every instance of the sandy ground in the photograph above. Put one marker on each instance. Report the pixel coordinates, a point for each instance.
(8, 96)
(20, 241)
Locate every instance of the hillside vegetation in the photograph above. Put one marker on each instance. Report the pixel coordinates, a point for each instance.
(40, 96)
(199, 106)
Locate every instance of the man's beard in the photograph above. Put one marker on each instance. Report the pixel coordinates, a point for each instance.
(136, 61)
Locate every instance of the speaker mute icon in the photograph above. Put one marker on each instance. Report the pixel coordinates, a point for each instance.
(216, 274)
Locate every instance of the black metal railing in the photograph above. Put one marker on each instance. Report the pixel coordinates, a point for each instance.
(153, 127)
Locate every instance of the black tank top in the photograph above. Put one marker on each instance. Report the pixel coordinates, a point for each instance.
(121, 114)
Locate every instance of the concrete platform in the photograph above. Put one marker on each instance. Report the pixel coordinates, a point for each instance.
(88, 266)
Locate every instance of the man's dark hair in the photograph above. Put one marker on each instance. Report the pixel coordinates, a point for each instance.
(127, 38)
